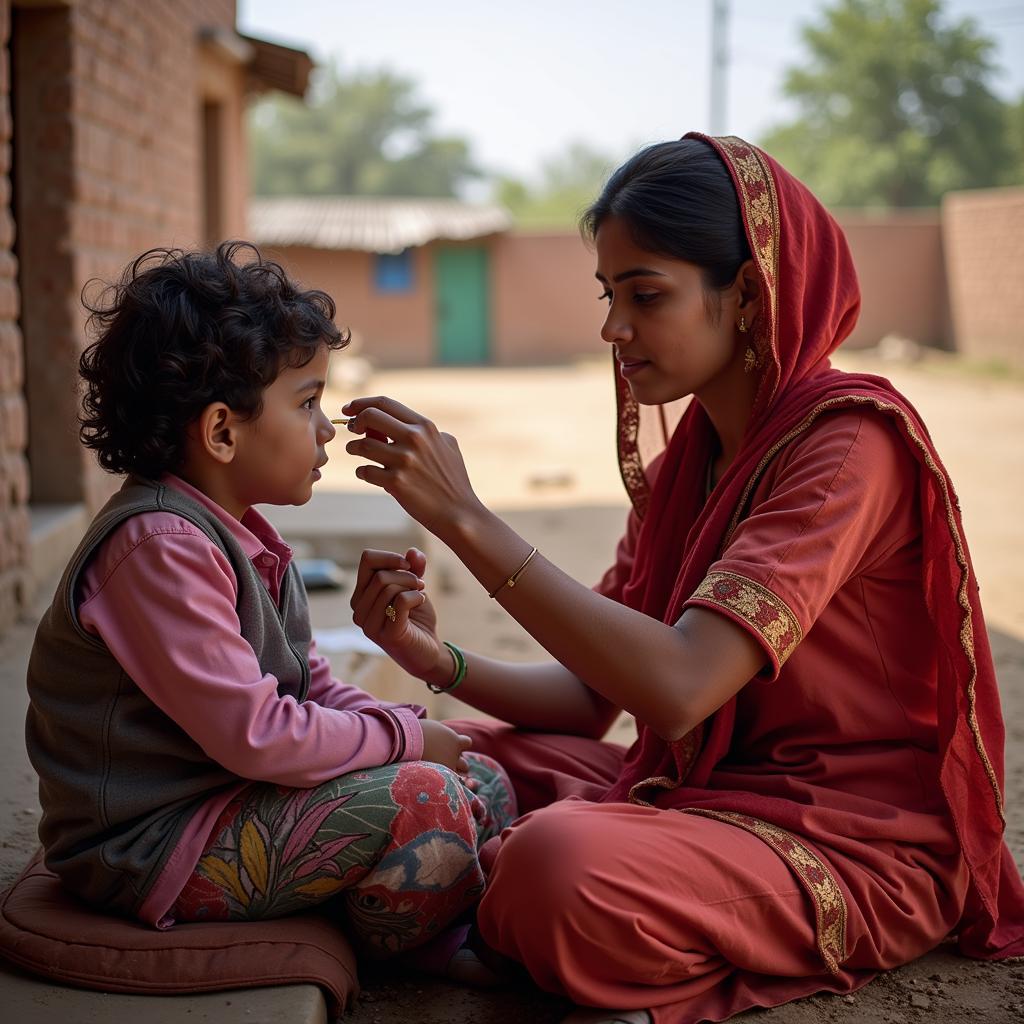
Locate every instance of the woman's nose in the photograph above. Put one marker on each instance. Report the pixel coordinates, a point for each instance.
(615, 329)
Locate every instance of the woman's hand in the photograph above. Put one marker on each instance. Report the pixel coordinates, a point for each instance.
(421, 467)
(443, 745)
(388, 580)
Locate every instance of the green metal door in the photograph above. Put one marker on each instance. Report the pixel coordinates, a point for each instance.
(463, 304)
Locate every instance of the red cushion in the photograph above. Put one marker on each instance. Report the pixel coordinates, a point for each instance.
(47, 931)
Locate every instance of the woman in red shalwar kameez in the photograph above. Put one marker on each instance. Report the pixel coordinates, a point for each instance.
(815, 791)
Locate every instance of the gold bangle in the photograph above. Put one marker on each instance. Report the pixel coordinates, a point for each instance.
(511, 581)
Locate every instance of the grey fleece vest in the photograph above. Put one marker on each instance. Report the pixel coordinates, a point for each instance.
(118, 779)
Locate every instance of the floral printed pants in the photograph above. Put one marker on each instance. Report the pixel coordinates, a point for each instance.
(394, 850)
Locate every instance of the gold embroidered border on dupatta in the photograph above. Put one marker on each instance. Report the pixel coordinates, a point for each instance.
(759, 204)
(631, 467)
(744, 598)
(684, 752)
(814, 874)
(760, 208)
(950, 499)
(756, 605)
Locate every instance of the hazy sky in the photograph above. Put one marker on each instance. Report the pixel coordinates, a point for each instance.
(521, 80)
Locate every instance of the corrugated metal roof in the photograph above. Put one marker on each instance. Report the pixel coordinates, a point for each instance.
(370, 223)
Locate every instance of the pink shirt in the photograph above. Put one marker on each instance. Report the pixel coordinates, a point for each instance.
(161, 595)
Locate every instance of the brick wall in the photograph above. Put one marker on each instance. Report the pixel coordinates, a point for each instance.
(544, 291)
(392, 330)
(544, 298)
(952, 280)
(108, 160)
(983, 232)
(899, 261)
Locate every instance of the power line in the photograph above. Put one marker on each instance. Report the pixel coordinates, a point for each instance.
(719, 66)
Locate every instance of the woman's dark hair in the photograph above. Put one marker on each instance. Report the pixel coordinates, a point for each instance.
(679, 202)
(181, 330)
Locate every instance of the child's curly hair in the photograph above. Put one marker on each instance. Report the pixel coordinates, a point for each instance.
(181, 330)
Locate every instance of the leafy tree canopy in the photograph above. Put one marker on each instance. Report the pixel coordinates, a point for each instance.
(364, 134)
(568, 184)
(895, 107)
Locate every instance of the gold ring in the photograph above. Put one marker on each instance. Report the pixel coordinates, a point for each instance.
(390, 612)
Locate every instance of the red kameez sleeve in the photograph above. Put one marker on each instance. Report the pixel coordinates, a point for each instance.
(835, 503)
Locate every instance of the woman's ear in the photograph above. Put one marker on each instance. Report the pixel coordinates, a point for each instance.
(748, 291)
(216, 434)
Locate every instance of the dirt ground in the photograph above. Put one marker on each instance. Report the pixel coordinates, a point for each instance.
(539, 444)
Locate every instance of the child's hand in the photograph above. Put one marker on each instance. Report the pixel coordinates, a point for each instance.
(391, 607)
(445, 746)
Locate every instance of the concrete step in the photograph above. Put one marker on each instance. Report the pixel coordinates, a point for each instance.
(29, 1000)
(54, 533)
(339, 525)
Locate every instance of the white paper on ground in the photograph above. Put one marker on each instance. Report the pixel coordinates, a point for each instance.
(345, 639)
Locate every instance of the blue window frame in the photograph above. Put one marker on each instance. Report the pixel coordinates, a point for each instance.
(393, 272)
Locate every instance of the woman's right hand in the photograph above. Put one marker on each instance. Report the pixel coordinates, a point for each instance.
(419, 466)
(443, 745)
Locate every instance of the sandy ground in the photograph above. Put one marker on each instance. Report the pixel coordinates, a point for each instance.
(539, 444)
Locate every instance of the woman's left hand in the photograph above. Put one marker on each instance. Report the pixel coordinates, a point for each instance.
(389, 604)
(421, 468)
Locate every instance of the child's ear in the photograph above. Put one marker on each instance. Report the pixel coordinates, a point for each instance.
(216, 433)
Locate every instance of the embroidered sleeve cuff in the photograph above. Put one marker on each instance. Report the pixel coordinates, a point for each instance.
(767, 617)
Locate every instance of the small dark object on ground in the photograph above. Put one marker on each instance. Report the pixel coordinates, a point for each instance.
(320, 573)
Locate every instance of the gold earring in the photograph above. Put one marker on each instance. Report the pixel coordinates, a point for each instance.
(742, 325)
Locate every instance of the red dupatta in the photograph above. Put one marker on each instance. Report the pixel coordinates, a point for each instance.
(811, 301)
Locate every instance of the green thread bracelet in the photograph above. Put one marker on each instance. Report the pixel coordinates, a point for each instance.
(460, 671)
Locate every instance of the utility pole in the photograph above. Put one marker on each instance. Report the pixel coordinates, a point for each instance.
(719, 65)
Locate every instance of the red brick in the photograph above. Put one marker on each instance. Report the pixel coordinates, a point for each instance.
(11, 356)
(12, 597)
(983, 236)
(9, 304)
(17, 476)
(13, 422)
(14, 479)
(17, 528)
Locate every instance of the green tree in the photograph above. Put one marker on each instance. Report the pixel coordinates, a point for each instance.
(1015, 128)
(364, 134)
(894, 107)
(568, 184)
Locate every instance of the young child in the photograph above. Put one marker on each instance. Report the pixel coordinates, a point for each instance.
(197, 761)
